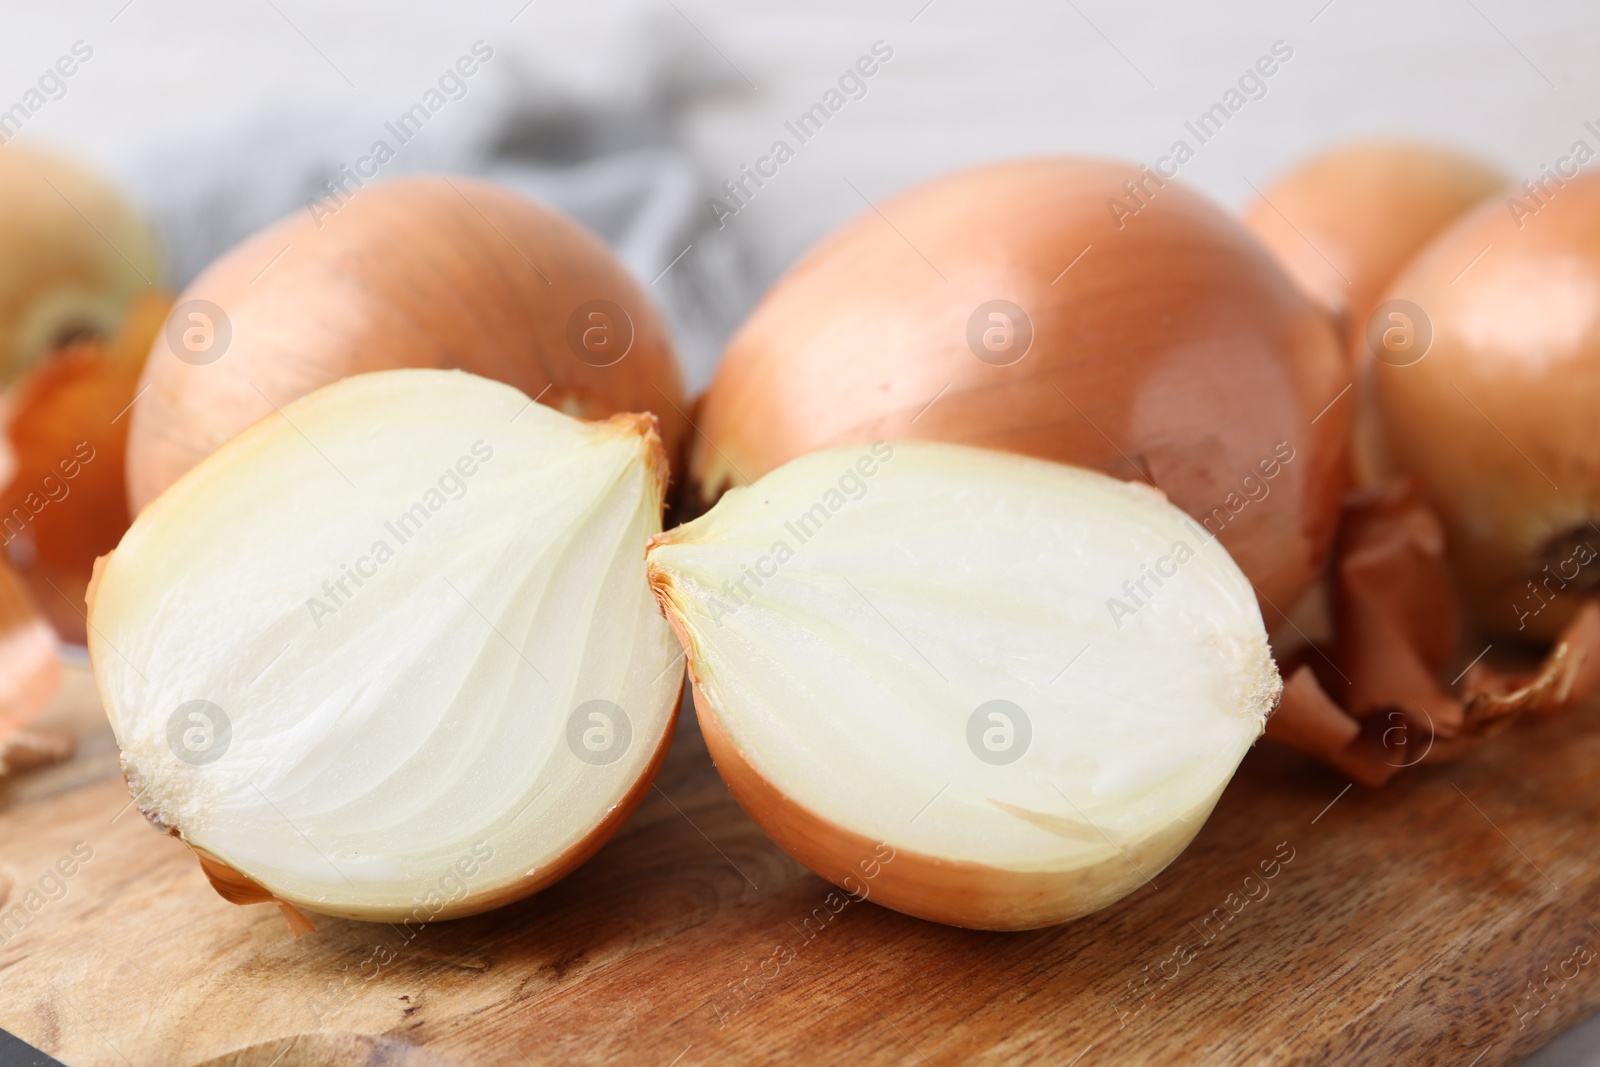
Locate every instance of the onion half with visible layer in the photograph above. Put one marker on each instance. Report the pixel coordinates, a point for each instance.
(390, 653)
(978, 688)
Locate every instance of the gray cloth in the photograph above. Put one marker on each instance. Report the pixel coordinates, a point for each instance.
(612, 162)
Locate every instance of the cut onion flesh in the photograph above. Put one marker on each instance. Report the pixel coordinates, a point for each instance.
(986, 690)
(390, 653)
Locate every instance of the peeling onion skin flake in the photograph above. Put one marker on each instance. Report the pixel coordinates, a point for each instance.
(390, 654)
(908, 671)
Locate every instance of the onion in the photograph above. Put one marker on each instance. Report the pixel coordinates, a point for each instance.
(977, 688)
(421, 272)
(1014, 307)
(66, 430)
(73, 256)
(391, 655)
(1495, 418)
(1346, 222)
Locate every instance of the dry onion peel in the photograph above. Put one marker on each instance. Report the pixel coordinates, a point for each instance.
(1368, 702)
(1372, 702)
(30, 748)
(851, 616)
(420, 730)
(1569, 674)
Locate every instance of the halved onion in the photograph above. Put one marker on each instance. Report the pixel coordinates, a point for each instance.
(978, 688)
(391, 653)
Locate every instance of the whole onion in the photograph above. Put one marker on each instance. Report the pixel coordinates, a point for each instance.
(73, 256)
(1076, 310)
(1491, 403)
(1345, 223)
(420, 272)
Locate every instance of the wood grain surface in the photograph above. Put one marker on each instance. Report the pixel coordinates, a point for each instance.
(1449, 918)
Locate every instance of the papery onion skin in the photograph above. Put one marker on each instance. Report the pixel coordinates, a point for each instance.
(1344, 223)
(1496, 419)
(73, 255)
(416, 272)
(1175, 349)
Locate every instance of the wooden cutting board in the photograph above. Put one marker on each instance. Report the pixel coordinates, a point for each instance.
(1449, 918)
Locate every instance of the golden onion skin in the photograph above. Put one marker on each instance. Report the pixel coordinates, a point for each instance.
(416, 272)
(1162, 342)
(1496, 419)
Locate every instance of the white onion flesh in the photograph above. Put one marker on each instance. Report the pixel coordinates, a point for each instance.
(424, 721)
(846, 669)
